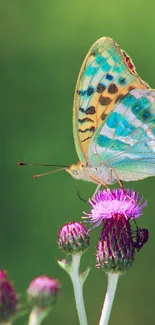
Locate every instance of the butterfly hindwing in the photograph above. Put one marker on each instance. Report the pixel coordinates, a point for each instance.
(106, 75)
(126, 140)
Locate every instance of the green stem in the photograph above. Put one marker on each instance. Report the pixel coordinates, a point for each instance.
(78, 288)
(36, 316)
(109, 298)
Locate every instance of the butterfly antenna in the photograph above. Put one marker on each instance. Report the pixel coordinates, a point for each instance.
(40, 165)
(43, 165)
(51, 172)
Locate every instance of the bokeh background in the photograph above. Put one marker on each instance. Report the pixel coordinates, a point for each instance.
(42, 46)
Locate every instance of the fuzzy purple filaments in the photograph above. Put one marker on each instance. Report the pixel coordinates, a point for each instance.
(107, 204)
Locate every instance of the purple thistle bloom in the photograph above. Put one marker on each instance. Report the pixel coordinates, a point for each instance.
(118, 243)
(106, 204)
(43, 291)
(73, 238)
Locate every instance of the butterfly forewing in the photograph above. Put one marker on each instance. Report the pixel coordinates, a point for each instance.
(106, 76)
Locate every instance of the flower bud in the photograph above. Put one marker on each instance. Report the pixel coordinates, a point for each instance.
(73, 238)
(43, 291)
(8, 299)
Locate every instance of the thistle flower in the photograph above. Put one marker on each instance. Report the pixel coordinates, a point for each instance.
(8, 299)
(43, 291)
(118, 243)
(114, 209)
(106, 204)
(73, 238)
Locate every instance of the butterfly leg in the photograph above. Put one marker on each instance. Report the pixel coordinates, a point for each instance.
(119, 181)
(97, 189)
(97, 180)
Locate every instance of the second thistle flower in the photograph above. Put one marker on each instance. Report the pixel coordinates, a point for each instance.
(73, 238)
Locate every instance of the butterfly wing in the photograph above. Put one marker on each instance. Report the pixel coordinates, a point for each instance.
(126, 140)
(107, 74)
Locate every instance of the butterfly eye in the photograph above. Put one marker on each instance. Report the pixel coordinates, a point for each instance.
(75, 172)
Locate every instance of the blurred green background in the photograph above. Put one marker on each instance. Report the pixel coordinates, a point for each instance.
(42, 46)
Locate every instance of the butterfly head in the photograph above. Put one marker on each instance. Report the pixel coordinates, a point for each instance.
(75, 170)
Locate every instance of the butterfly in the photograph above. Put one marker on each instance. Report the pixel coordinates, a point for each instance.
(113, 118)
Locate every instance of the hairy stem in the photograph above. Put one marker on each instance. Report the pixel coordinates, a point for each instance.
(78, 289)
(109, 298)
(36, 316)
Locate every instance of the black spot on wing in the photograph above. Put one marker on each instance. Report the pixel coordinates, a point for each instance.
(91, 129)
(100, 88)
(86, 139)
(112, 89)
(90, 110)
(103, 116)
(104, 100)
(119, 97)
(122, 81)
(90, 91)
(85, 119)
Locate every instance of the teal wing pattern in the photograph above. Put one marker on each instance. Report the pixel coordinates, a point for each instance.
(107, 74)
(126, 139)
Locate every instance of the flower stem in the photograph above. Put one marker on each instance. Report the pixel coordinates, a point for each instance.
(36, 316)
(106, 310)
(78, 288)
